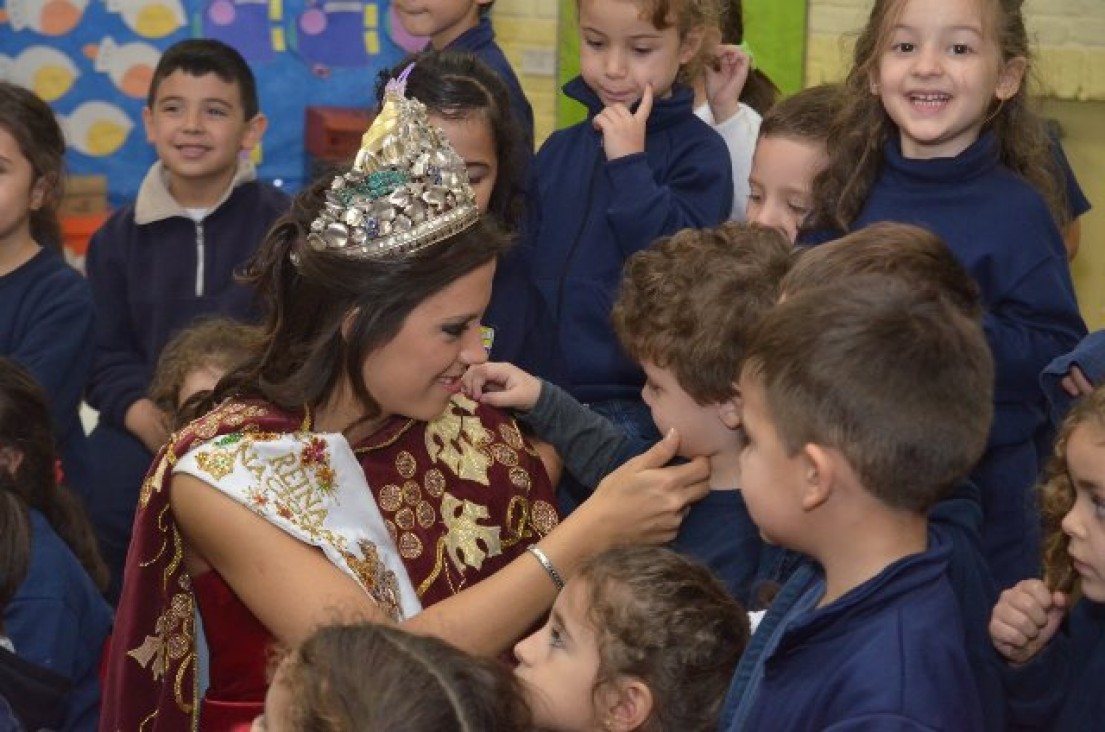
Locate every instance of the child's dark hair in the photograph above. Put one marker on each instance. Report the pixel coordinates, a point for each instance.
(32, 125)
(912, 254)
(803, 114)
(759, 91)
(215, 342)
(326, 311)
(377, 678)
(896, 380)
(201, 56)
(690, 301)
(458, 85)
(667, 621)
(1057, 494)
(862, 127)
(26, 435)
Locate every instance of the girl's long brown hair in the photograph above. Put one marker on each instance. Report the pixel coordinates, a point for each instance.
(862, 127)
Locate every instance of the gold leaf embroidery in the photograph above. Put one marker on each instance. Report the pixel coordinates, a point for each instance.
(460, 441)
(464, 533)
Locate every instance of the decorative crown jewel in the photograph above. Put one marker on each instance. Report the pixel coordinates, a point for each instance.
(407, 190)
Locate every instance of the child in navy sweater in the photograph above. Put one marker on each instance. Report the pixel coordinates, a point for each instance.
(465, 25)
(156, 265)
(685, 310)
(641, 166)
(863, 404)
(57, 620)
(935, 130)
(1053, 639)
(45, 305)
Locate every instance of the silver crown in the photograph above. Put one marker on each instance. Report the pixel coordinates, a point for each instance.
(407, 190)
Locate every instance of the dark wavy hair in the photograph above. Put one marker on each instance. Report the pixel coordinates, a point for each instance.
(862, 126)
(302, 354)
(378, 678)
(26, 432)
(668, 621)
(458, 85)
(31, 122)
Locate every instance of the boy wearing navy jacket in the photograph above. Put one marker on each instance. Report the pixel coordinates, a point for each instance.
(863, 404)
(157, 264)
(641, 166)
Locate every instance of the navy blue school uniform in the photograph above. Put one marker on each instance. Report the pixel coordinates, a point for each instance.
(587, 215)
(46, 325)
(1061, 688)
(888, 655)
(59, 621)
(480, 40)
(1000, 229)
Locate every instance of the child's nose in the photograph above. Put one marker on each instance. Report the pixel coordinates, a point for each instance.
(927, 62)
(522, 648)
(615, 63)
(1071, 524)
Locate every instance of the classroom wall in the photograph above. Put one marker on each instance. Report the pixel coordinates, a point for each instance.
(1069, 42)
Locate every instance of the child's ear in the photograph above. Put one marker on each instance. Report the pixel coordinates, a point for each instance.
(820, 473)
(1011, 78)
(691, 44)
(730, 412)
(255, 128)
(38, 192)
(628, 705)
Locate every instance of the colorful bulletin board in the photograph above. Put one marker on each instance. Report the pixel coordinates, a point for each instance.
(775, 31)
(92, 60)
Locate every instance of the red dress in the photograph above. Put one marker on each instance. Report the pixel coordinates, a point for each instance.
(462, 497)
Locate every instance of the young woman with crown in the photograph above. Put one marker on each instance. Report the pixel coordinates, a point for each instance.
(340, 474)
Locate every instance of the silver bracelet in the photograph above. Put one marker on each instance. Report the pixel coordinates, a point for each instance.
(549, 568)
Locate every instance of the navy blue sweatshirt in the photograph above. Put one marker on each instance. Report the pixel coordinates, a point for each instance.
(588, 215)
(46, 324)
(888, 655)
(480, 40)
(1061, 688)
(152, 278)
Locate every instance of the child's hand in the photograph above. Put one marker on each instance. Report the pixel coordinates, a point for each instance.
(1025, 620)
(623, 132)
(149, 424)
(725, 79)
(1075, 383)
(502, 385)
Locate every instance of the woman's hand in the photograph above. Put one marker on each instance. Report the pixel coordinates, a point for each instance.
(644, 501)
(1025, 620)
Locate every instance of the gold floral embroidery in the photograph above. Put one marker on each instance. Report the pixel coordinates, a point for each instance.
(391, 497)
(543, 517)
(406, 464)
(412, 493)
(374, 575)
(460, 441)
(464, 534)
(434, 482)
(511, 435)
(521, 478)
(504, 454)
(174, 639)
